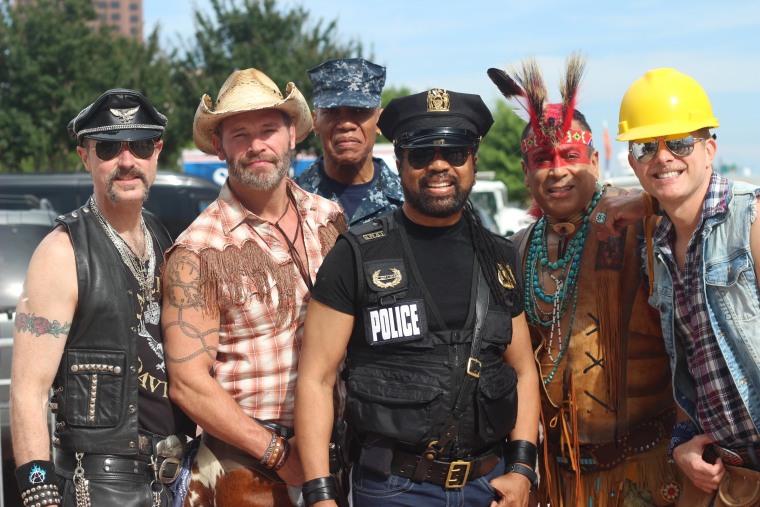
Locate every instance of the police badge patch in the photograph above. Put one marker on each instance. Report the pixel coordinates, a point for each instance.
(386, 276)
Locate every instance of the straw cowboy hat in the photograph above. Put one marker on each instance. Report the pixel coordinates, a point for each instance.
(249, 90)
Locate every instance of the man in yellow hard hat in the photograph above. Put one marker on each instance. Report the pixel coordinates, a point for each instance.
(704, 266)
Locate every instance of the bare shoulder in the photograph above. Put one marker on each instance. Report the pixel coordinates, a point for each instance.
(53, 258)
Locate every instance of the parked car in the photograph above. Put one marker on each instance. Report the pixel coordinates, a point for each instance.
(491, 196)
(175, 198)
(24, 221)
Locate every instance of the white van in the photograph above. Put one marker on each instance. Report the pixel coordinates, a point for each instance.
(491, 195)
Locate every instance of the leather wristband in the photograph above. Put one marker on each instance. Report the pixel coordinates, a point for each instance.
(522, 451)
(34, 473)
(318, 490)
(523, 470)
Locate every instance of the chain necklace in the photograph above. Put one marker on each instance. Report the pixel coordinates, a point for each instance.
(143, 272)
(566, 282)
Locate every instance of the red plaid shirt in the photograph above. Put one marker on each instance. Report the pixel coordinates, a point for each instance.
(257, 360)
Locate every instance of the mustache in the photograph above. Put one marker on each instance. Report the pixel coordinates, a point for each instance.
(131, 173)
(246, 159)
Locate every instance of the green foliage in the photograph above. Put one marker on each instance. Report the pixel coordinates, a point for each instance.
(52, 64)
(391, 92)
(500, 152)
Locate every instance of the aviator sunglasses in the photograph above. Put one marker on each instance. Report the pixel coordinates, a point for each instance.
(419, 158)
(681, 147)
(108, 150)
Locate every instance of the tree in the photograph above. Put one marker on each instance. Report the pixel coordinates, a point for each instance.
(53, 64)
(500, 152)
(283, 44)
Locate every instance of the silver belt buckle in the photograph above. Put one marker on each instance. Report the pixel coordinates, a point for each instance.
(169, 470)
(729, 457)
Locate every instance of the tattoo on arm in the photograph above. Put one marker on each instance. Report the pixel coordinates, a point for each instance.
(182, 291)
(39, 326)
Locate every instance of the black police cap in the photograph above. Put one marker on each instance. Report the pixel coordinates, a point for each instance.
(118, 115)
(435, 118)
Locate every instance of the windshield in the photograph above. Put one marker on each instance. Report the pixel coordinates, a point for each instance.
(19, 242)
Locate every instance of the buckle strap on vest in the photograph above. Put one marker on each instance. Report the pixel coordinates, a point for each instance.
(471, 375)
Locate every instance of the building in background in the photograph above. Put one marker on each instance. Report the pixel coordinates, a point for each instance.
(125, 15)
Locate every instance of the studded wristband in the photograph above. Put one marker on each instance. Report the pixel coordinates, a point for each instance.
(37, 483)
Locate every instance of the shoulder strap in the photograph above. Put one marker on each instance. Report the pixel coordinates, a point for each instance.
(471, 375)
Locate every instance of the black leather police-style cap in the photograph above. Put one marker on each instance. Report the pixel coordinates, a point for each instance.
(435, 118)
(118, 115)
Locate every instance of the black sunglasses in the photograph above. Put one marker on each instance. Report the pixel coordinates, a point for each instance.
(682, 147)
(419, 158)
(108, 150)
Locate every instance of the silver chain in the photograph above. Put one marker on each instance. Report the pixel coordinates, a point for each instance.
(81, 485)
(145, 277)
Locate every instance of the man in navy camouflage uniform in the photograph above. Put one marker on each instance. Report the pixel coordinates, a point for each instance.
(346, 109)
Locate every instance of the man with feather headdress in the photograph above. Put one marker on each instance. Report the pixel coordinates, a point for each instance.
(607, 407)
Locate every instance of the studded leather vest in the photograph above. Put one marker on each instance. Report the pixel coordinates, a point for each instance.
(95, 389)
(404, 375)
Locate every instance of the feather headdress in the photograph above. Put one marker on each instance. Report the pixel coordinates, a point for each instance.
(549, 122)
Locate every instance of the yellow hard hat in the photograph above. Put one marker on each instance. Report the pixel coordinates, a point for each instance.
(663, 102)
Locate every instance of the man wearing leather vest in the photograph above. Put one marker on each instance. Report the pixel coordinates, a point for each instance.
(607, 408)
(442, 390)
(88, 324)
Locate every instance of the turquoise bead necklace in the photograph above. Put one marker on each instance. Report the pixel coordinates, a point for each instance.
(566, 291)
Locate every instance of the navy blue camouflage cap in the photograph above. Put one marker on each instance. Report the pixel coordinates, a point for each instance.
(436, 117)
(347, 82)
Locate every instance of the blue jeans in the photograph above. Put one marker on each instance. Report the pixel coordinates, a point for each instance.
(372, 490)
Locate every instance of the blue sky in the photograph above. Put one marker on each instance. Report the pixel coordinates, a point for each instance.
(450, 45)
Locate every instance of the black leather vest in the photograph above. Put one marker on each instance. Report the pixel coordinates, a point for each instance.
(96, 385)
(403, 378)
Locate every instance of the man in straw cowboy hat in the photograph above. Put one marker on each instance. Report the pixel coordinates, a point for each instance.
(237, 282)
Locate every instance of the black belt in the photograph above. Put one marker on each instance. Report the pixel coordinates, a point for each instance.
(105, 465)
(451, 474)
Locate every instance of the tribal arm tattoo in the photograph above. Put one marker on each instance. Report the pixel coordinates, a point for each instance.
(182, 292)
(39, 326)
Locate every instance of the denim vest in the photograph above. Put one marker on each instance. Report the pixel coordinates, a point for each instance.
(733, 300)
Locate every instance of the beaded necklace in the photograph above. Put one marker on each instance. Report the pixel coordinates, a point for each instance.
(566, 281)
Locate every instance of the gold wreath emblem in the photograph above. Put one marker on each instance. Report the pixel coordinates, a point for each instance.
(387, 281)
(506, 277)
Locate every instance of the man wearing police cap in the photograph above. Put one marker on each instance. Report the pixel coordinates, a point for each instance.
(347, 94)
(87, 324)
(428, 305)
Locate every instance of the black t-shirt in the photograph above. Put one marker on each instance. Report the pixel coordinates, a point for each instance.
(156, 413)
(444, 257)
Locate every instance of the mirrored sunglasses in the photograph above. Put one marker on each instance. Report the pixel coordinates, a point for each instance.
(419, 158)
(108, 150)
(681, 147)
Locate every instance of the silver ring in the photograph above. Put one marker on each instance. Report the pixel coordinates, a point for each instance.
(600, 217)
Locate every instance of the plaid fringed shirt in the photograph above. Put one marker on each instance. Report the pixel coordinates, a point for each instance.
(259, 295)
(721, 412)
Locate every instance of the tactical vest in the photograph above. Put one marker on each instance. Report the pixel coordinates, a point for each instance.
(95, 389)
(404, 374)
